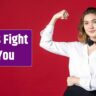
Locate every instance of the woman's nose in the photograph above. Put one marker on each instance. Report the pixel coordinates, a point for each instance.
(91, 26)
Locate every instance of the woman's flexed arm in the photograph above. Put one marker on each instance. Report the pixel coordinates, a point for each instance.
(47, 42)
(59, 15)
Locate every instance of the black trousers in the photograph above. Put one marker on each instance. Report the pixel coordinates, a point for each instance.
(78, 91)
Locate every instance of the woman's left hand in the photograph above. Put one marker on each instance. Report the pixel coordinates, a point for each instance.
(72, 81)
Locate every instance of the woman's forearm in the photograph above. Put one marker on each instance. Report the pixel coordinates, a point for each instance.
(60, 15)
(53, 20)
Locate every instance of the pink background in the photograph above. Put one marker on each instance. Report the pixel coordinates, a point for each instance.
(47, 76)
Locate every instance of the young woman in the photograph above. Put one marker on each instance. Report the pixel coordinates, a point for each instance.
(82, 53)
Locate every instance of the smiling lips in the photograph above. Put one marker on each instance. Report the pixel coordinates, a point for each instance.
(92, 31)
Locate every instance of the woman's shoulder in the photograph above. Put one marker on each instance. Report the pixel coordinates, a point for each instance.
(76, 44)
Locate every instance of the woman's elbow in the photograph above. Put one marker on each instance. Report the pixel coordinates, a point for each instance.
(41, 44)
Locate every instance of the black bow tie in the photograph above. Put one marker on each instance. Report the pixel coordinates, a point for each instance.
(90, 42)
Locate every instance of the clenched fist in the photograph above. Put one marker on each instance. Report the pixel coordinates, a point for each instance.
(59, 15)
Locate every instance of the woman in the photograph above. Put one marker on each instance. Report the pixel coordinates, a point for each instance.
(81, 54)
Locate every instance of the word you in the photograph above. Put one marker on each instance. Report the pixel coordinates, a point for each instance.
(6, 55)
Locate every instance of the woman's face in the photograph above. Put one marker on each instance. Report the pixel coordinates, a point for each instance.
(90, 25)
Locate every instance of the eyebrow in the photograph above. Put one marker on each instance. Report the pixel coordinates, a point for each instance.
(91, 20)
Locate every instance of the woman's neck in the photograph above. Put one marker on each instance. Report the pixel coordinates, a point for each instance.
(93, 39)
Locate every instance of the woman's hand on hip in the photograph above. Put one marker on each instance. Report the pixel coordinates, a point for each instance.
(72, 81)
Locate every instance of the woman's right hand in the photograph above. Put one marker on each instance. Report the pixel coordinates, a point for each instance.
(59, 15)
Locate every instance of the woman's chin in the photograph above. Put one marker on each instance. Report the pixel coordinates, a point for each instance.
(92, 36)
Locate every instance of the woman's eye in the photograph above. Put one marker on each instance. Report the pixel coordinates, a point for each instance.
(85, 23)
(94, 22)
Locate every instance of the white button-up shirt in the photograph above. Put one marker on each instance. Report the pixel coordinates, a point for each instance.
(81, 64)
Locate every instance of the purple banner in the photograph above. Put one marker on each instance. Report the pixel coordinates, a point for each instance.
(15, 48)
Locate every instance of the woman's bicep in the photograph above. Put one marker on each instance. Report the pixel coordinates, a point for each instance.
(60, 48)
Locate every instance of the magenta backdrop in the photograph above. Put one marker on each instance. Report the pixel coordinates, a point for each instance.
(47, 76)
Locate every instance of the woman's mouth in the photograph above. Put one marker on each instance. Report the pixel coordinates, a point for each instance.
(92, 31)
